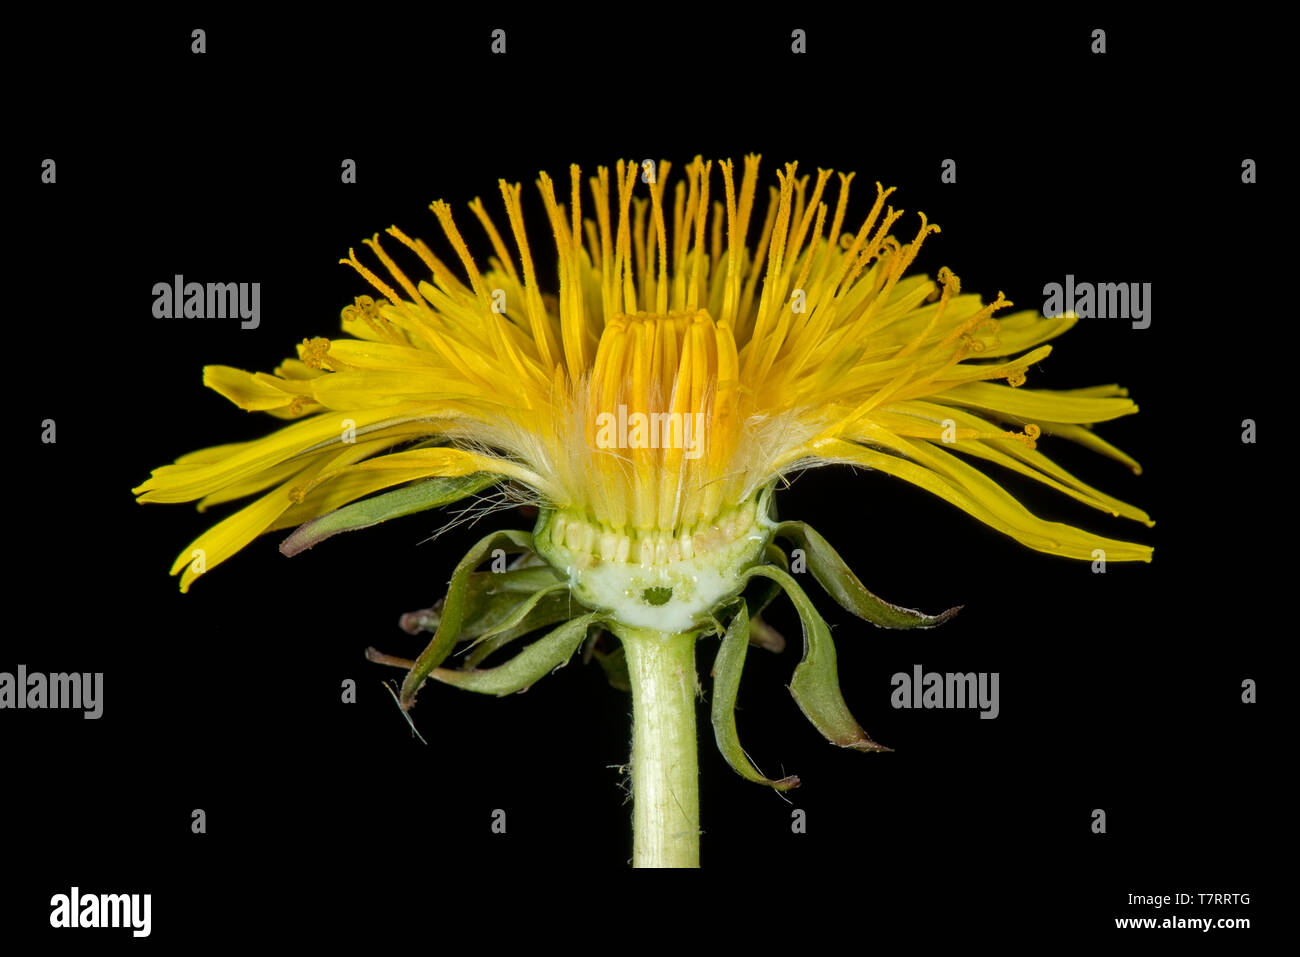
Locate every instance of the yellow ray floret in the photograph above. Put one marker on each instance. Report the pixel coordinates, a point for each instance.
(654, 369)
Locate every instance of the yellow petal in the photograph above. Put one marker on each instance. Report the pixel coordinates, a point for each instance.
(251, 393)
(181, 483)
(976, 494)
(1035, 404)
(925, 420)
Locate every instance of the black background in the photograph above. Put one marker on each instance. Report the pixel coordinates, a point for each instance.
(1119, 691)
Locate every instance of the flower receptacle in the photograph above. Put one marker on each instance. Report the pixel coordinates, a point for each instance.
(652, 579)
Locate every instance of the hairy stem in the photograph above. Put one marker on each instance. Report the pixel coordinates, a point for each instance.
(665, 763)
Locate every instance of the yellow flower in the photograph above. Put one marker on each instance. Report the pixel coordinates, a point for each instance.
(649, 406)
(674, 375)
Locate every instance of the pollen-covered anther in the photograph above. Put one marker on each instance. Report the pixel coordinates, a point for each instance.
(889, 247)
(967, 328)
(987, 334)
(313, 352)
(367, 307)
(1030, 436)
(946, 285)
(363, 308)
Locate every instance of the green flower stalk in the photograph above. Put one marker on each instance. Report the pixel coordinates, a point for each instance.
(649, 401)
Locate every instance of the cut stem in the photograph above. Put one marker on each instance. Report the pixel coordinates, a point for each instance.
(665, 762)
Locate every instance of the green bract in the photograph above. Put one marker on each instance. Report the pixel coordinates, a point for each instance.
(566, 588)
